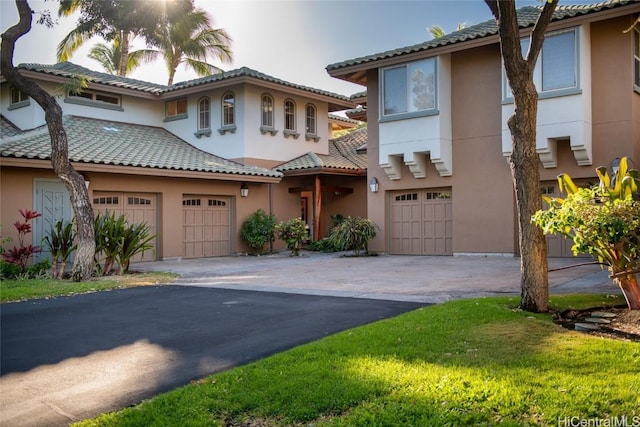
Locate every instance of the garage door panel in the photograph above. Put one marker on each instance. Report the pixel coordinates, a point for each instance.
(207, 227)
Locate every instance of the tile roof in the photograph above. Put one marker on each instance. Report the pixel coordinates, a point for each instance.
(527, 17)
(7, 128)
(68, 70)
(123, 144)
(342, 155)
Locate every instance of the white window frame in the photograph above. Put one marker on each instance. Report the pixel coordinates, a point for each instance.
(92, 98)
(409, 111)
(267, 114)
(172, 110)
(228, 111)
(17, 99)
(290, 118)
(204, 114)
(311, 122)
(538, 76)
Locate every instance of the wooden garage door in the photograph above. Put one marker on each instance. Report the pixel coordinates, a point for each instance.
(421, 222)
(138, 207)
(207, 226)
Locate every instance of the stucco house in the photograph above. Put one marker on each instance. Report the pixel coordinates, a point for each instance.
(192, 160)
(438, 144)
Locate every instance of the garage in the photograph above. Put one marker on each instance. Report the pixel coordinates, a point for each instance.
(138, 207)
(421, 222)
(206, 224)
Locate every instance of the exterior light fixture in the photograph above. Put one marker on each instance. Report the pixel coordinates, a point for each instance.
(244, 190)
(373, 185)
(86, 181)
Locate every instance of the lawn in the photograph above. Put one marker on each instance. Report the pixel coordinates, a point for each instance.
(20, 290)
(466, 362)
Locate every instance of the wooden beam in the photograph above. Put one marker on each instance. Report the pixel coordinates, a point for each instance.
(317, 197)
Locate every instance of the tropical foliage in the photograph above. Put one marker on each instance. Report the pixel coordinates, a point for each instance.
(294, 233)
(60, 243)
(603, 221)
(353, 233)
(21, 254)
(258, 230)
(110, 56)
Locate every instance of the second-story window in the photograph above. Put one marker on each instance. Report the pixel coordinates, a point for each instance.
(204, 114)
(18, 96)
(289, 115)
(228, 109)
(311, 128)
(409, 88)
(176, 108)
(267, 111)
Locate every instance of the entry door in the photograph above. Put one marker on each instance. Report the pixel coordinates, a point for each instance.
(52, 201)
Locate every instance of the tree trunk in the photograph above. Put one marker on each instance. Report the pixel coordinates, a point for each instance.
(629, 285)
(526, 178)
(83, 266)
(124, 53)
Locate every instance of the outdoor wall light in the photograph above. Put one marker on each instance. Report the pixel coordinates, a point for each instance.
(244, 190)
(373, 185)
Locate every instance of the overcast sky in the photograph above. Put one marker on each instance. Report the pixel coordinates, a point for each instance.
(293, 40)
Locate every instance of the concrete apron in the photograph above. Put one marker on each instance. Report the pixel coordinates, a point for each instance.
(389, 277)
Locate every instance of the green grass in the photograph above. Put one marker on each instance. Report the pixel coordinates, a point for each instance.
(467, 362)
(20, 290)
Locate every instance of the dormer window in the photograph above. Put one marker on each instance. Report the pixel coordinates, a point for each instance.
(93, 98)
(19, 99)
(176, 109)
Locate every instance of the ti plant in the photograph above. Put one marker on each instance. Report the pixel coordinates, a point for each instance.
(603, 221)
(61, 244)
(19, 255)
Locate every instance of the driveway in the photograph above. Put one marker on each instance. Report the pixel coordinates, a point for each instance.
(71, 358)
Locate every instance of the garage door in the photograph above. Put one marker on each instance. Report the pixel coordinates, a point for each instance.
(138, 207)
(421, 222)
(206, 223)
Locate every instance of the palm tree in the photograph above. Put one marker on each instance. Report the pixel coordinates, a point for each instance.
(191, 40)
(109, 56)
(437, 31)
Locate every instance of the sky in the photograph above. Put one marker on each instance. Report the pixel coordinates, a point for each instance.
(293, 40)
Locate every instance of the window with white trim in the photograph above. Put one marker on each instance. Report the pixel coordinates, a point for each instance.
(409, 88)
(557, 66)
(289, 115)
(176, 108)
(204, 114)
(267, 111)
(636, 58)
(18, 96)
(228, 109)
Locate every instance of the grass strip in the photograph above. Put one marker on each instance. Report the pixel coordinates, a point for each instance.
(466, 362)
(21, 290)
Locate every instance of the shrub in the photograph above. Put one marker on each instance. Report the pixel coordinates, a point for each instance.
(60, 242)
(20, 255)
(258, 230)
(294, 233)
(353, 233)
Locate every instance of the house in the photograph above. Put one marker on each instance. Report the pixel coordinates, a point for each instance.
(192, 160)
(438, 144)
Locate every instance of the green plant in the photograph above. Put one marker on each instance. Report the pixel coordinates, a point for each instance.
(118, 241)
(60, 243)
(603, 221)
(353, 233)
(19, 255)
(258, 230)
(136, 239)
(294, 233)
(3, 240)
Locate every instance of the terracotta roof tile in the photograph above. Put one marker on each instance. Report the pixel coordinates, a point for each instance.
(124, 144)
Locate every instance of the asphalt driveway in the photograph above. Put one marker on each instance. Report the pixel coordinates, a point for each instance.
(71, 358)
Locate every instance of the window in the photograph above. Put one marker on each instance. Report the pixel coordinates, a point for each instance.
(176, 109)
(636, 58)
(289, 115)
(138, 201)
(215, 202)
(407, 197)
(557, 66)
(310, 123)
(191, 202)
(106, 98)
(110, 200)
(18, 96)
(409, 88)
(267, 111)
(228, 109)
(204, 114)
